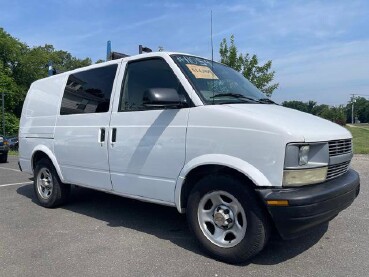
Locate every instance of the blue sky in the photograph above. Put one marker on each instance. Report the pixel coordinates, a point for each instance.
(319, 49)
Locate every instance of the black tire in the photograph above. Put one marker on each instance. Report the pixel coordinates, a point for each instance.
(257, 230)
(60, 191)
(4, 158)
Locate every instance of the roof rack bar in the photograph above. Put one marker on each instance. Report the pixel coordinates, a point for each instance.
(117, 55)
(143, 49)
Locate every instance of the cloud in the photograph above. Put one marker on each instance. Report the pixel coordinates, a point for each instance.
(328, 73)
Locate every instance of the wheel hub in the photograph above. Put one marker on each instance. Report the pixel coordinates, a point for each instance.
(44, 183)
(223, 217)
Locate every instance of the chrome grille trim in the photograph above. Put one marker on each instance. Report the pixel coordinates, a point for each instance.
(340, 147)
(336, 170)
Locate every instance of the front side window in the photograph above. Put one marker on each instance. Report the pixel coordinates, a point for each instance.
(143, 75)
(89, 91)
(217, 83)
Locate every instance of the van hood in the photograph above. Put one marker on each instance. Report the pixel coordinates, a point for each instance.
(298, 124)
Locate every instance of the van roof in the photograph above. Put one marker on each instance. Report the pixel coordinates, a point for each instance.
(144, 55)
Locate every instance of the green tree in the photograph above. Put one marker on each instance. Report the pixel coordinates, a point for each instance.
(298, 105)
(21, 65)
(335, 114)
(361, 110)
(318, 109)
(260, 75)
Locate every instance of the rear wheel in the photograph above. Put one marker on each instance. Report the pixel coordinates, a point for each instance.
(50, 191)
(227, 219)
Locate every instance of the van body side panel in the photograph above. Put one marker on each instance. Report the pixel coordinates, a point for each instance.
(83, 159)
(81, 139)
(149, 152)
(39, 118)
(223, 131)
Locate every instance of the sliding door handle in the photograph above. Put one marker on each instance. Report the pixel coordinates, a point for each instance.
(113, 136)
(102, 136)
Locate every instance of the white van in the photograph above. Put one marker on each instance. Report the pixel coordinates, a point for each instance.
(186, 132)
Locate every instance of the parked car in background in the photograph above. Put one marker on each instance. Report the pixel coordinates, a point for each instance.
(4, 149)
(12, 142)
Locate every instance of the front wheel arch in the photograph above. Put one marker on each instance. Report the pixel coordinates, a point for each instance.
(202, 171)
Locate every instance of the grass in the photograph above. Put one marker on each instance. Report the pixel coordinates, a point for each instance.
(13, 153)
(361, 138)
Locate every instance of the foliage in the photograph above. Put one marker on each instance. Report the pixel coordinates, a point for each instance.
(361, 110)
(307, 107)
(12, 123)
(21, 65)
(259, 75)
(335, 114)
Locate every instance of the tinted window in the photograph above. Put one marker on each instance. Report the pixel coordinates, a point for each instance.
(89, 91)
(143, 75)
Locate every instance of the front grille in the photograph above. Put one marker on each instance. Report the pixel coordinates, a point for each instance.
(336, 170)
(339, 147)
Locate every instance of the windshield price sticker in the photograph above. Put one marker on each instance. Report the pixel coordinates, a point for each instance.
(202, 72)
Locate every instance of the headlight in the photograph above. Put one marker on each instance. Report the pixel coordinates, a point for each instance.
(304, 154)
(300, 177)
(305, 163)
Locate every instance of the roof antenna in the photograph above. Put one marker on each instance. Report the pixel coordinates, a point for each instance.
(212, 51)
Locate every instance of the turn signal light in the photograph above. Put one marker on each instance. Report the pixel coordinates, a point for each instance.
(283, 203)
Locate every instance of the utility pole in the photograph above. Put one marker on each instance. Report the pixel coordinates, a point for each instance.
(3, 110)
(352, 108)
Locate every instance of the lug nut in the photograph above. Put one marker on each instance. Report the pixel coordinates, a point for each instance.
(226, 211)
(229, 220)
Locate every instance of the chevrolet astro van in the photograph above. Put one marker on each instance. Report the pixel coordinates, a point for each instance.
(183, 131)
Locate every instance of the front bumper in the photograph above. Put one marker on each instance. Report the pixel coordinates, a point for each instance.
(310, 206)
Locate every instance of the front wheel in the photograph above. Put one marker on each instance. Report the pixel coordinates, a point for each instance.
(227, 219)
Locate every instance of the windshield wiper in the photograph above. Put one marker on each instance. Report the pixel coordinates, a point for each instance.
(235, 95)
(266, 101)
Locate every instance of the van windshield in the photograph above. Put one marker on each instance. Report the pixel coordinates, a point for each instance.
(217, 83)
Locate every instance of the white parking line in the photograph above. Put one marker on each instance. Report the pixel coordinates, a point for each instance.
(16, 184)
(12, 169)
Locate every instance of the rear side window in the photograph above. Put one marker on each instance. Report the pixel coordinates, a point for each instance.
(88, 91)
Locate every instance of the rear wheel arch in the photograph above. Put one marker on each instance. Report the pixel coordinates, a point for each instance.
(42, 152)
(38, 156)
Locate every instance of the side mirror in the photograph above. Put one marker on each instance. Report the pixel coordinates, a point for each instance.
(161, 98)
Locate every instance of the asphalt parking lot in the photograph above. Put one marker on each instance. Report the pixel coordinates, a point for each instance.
(98, 234)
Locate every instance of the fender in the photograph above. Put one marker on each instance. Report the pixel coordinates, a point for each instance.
(51, 156)
(242, 166)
